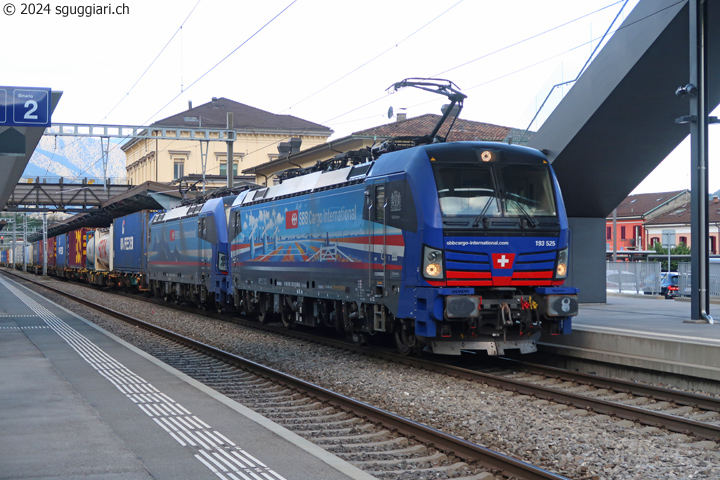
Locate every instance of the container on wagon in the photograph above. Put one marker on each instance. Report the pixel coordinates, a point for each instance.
(130, 242)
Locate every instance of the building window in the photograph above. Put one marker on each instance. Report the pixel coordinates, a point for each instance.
(622, 233)
(608, 234)
(713, 245)
(223, 168)
(179, 170)
(683, 240)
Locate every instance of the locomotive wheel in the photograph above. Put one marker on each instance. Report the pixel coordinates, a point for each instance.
(219, 307)
(265, 313)
(288, 318)
(405, 341)
(287, 314)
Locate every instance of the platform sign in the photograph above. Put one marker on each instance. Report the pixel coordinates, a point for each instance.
(25, 107)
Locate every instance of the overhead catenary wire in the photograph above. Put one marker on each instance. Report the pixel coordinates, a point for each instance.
(330, 84)
(393, 46)
(495, 52)
(384, 96)
(205, 74)
(224, 58)
(179, 30)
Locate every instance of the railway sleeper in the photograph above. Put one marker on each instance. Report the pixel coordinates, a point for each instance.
(326, 433)
(350, 448)
(415, 449)
(309, 413)
(421, 473)
(312, 426)
(321, 418)
(292, 408)
(384, 434)
(288, 403)
(434, 458)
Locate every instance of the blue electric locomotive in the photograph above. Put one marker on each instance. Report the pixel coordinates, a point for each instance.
(187, 257)
(450, 246)
(445, 246)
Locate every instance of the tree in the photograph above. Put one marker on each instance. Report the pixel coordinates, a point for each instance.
(680, 249)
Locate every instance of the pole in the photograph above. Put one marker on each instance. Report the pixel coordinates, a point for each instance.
(24, 242)
(699, 258)
(44, 245)
(614, 235)
(230, 162)
(14, 251)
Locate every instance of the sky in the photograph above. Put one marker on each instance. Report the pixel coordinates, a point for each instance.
(326, 61)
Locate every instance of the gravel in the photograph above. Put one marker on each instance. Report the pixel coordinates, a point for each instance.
(576, 443)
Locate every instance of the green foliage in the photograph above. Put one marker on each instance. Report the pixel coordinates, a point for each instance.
(680, 249)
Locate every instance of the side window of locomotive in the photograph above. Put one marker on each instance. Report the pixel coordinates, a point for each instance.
(210, 230)
(380, 203)
(236, 224)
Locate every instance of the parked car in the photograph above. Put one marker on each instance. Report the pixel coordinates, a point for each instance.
(669, 285)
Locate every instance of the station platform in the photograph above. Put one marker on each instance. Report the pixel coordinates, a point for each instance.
(645, 332)
(78, 403)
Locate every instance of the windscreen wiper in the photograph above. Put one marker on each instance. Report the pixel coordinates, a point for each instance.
(481, 217)
(528, 218)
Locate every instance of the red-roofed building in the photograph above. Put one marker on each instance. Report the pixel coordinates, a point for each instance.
(634, 213)
(677, 222)
(462, 130)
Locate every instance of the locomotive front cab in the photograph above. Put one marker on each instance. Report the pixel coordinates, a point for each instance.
(494, 253)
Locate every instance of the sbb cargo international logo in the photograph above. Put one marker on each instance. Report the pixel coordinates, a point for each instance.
(291, 219)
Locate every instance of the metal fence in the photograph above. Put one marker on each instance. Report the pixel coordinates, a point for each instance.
(633, 277)
(685, 275)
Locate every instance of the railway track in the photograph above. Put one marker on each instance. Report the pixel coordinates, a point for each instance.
(677, 411)
(674, 410)
(379, 442)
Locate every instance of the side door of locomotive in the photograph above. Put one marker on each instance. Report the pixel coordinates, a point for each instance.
(377, 236)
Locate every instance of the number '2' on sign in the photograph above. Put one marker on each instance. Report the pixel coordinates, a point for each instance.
(25, 106)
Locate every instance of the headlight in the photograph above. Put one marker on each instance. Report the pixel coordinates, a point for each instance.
(561, 269)
(432, 263)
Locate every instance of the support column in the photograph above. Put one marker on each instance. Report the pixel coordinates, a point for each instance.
(699, 259)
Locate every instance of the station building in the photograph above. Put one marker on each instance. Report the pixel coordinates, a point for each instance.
(632, 215)
(258, 135)
(463, 130)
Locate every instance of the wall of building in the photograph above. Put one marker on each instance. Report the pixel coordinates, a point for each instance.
(630, 235)
(248, 151)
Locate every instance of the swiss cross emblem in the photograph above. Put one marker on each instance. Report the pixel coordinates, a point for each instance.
(503, 260)
(291, 219)
(172, 235)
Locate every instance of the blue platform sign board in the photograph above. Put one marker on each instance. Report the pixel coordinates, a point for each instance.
(25, 107)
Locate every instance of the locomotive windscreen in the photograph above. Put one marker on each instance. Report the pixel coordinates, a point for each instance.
(512, 190)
